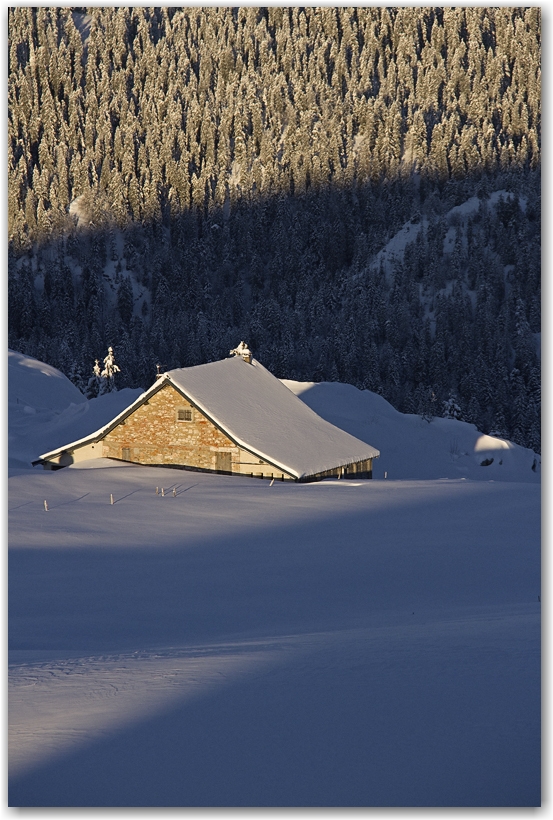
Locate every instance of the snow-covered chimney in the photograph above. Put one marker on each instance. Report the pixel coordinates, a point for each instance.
(243, 351)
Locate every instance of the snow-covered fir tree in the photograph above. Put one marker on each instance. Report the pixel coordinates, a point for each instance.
(109, 371)
(96, 385)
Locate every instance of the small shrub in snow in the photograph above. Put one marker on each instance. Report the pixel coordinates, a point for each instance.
(452, 409)
(454, 450)
(427, 403)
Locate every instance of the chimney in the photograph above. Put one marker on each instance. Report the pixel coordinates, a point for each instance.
(243, 351)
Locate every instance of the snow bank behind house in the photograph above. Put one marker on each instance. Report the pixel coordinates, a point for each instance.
(411, 448)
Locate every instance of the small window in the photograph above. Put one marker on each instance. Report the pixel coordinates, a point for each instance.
(184, 414)
(126, 453)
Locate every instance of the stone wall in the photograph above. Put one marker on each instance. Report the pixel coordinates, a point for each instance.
(154, 434)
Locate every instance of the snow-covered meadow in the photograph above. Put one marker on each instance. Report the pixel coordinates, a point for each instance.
(233, 642)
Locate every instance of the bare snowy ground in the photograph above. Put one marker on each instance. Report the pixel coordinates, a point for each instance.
(369, 643)
(240, 644)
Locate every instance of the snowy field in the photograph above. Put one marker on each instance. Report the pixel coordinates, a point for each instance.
(237, 643)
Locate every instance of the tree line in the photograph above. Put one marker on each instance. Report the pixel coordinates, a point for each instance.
(243, 167)
(162, 110)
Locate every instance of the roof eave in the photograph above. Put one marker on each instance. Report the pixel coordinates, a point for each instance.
(335, 466)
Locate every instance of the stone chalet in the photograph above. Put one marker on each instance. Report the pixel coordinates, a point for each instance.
(232, 417)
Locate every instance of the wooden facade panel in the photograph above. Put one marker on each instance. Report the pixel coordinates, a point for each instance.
(357, 469)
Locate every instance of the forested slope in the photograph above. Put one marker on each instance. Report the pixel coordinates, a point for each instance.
(183, 178)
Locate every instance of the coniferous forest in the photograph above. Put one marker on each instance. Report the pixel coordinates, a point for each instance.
(181, 179)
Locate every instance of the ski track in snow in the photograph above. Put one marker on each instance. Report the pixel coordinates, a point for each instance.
(423, 678)
(56, 705)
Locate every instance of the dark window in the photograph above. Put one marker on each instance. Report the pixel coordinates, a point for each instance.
(126, 453)
(184, 414)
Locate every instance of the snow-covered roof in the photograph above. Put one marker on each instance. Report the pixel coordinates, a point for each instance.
(258, 412)
(261, 414)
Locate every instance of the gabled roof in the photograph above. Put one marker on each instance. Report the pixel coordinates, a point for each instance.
(259, 413)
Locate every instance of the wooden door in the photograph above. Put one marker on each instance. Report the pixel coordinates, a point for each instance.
(223, 462)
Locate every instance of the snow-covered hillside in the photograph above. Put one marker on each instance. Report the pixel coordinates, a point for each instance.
(45, 410)
(229, 642)
(412, 448)
(394, 250)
